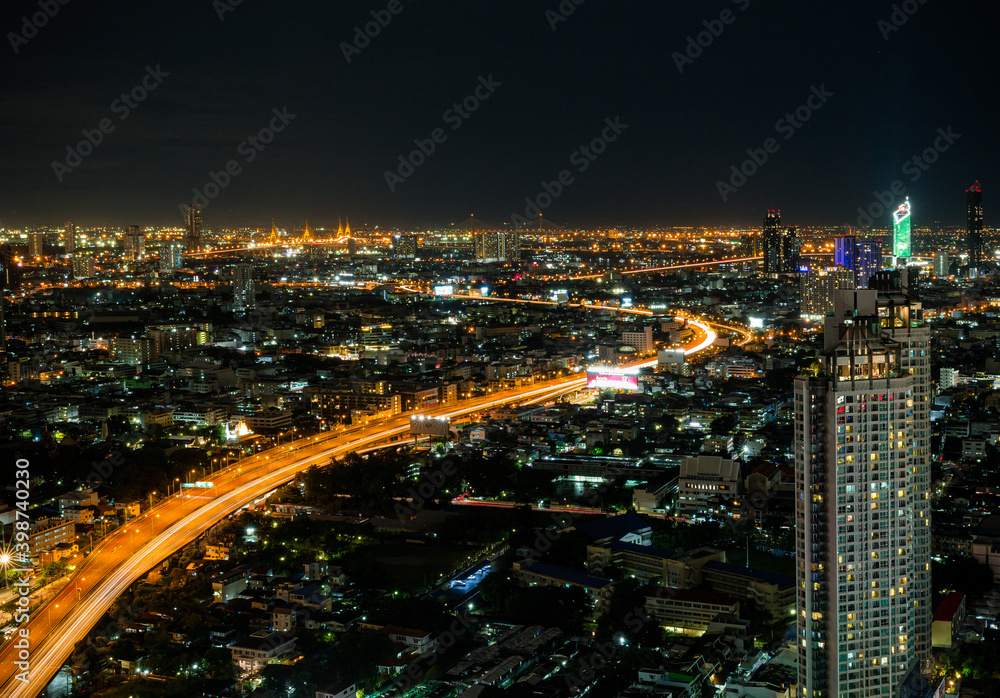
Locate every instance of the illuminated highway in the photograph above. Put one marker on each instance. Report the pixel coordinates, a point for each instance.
(135, 548)
(131, 550)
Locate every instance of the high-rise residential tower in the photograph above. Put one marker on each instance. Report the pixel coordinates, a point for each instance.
(171, 256)
(36, 244)
(404, 246)
(770, 242)
(974, 224)
(867, 261)
(134, 243)
(69, 237)
(845, 250)
(862, 497)
(243, 287)
(192, 221)
(789, 248)
(496, 246)
(863, 257)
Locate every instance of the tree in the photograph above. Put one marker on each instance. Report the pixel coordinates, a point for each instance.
(723, 425)
(555, 606)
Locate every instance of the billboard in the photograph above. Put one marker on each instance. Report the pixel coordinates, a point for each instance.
(444, 290)
(434, 426)
(615, 379)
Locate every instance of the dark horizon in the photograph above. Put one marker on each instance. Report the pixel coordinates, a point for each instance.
(868, 91)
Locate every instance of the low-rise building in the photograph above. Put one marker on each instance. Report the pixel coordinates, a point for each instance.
(598, 589)
(264, 647)
(948, 621)
(689, 611)
(772, 593)
(704, 483)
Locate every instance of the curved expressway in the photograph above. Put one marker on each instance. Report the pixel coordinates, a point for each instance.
(133, 549)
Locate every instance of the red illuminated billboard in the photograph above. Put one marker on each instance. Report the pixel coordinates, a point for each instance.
(615, 381)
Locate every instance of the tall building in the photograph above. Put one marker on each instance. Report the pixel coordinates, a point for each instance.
(243, 287)
(770, 239)
(171, 256)
(69, 237)
(818, 289)
(404, 246)
(10, 278)
(751, 245)
(862, 516)
(134, 243)
(10, 274)
(36, 244)
(974, 224)
(496, 246)
(942, 264)
(867, 261)
(641, 340)
(845, 251)
(863, 257)
(901, 231)
(192, 221)
(789, 250)
(84, 266)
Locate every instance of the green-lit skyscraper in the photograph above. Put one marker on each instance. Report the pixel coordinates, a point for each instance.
(901, 230)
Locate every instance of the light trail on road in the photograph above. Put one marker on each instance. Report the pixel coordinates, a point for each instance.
(138, 546)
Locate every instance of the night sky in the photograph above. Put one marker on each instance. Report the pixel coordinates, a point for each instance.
(608, 59)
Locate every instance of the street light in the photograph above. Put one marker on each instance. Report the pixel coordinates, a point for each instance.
(5, 560)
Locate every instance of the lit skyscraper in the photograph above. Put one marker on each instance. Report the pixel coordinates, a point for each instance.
(818, 289)
(404, 246)
(789, 248)
(36, 244)
(69, 237)
(901, 230)
(192, 220)
(942, 264)
(496, 246)
(243, 287)
(863, 257)
(845, 251)
(862, 514)
(134, 244)
(867, 261)
(974, 224)
(171, 256)
(770, 239)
